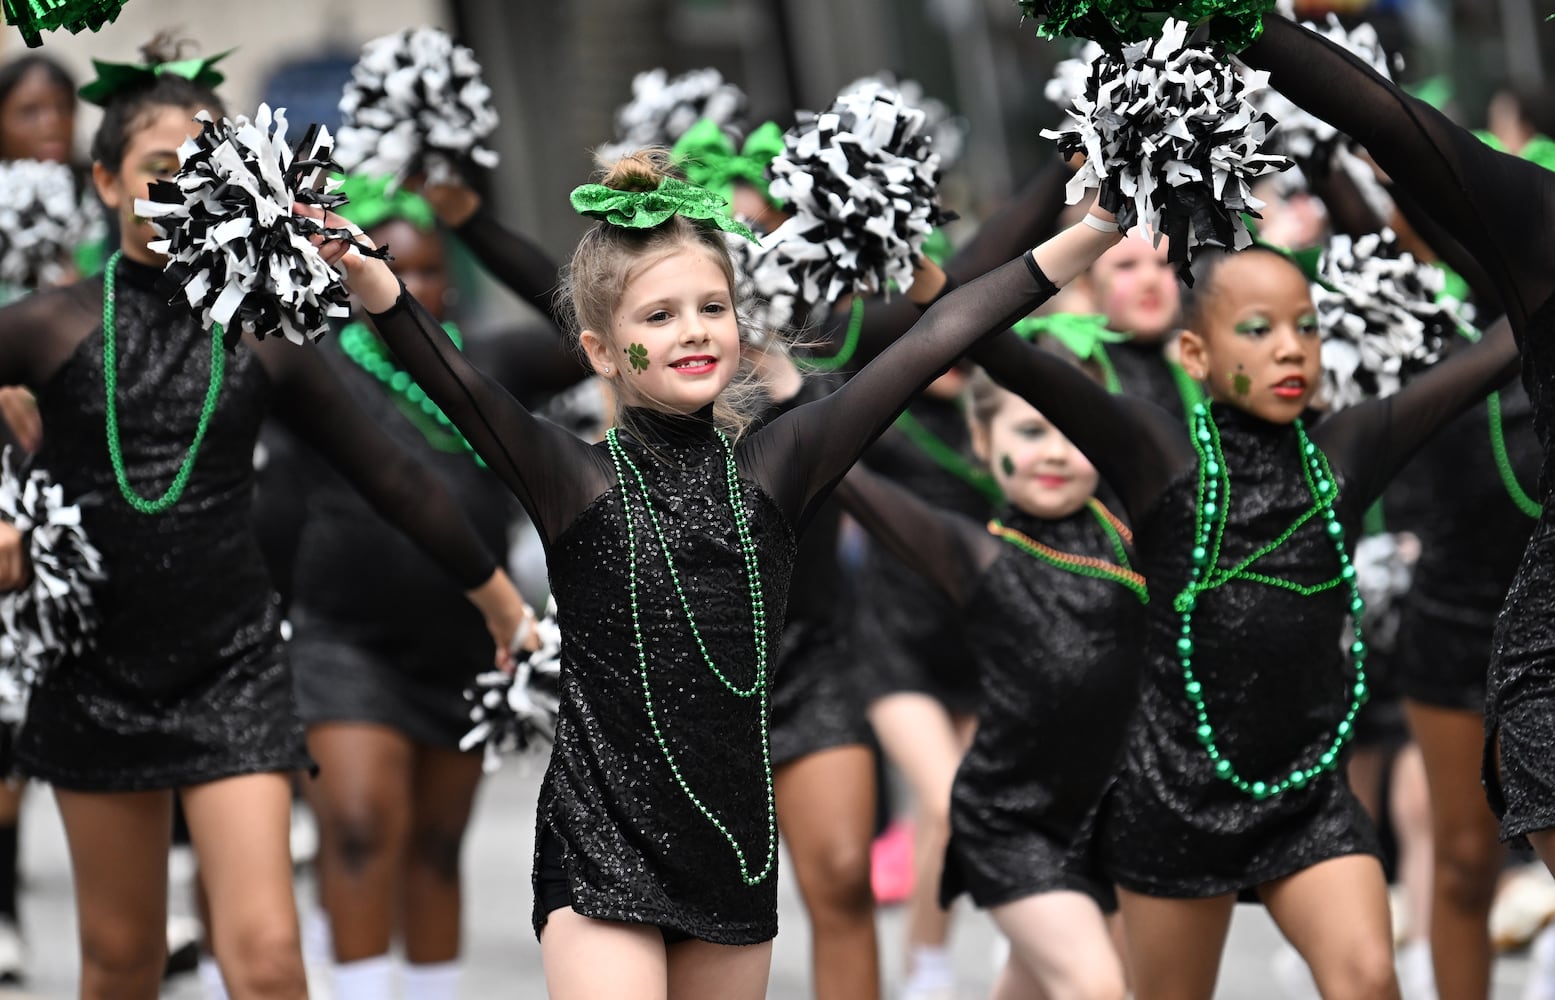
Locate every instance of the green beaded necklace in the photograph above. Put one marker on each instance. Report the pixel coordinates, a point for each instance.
(180, 482)
(1121, 571)
(1214, 501)
(1525, 503)
(758, 686)
(368, 353)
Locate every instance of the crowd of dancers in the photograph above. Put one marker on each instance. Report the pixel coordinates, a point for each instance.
(1112, 624)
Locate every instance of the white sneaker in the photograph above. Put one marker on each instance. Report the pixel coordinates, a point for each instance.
(1540, 984)
(13, 953)
(1523, 907)
(304, 836)
(183, 945)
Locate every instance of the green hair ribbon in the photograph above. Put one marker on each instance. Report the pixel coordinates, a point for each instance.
(369, 203)
(33, 17)
(115, 78)
(650, 209)
(709, 158)
(1085, 335)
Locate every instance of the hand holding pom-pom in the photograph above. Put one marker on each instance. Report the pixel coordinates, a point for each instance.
(1172, 141)
(416, 103)
(238, 250)
(516, 711)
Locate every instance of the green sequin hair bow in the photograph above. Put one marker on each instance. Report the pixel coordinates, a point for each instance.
(369, 203)
(1115, 23)
(115, 78)
(1082, 334)
(33, 17)
(709, 158)
(650, 209)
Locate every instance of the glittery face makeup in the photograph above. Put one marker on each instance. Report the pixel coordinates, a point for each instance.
(1261, 342)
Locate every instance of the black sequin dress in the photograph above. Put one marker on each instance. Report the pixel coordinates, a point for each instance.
(1269, 660)
(655, 813)
(187, 682)
(1058, 657)
(908, 639)
(1501, 211)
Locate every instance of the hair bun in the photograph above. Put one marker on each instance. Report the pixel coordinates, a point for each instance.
(165, 47)
(643, 170)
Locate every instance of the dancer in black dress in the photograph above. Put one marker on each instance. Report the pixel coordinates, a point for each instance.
(1501, 210)
(1054, 618)
(187, 689)
(1230, 778)
(670, 550)
(1135, 287)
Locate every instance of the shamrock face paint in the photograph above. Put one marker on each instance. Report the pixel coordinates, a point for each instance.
(637, 357)
(1007, 465)
(1241, 384)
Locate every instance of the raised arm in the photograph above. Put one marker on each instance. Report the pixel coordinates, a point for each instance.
(1135, 445)
(1370, 442)
(932, 541)
(511, 257)
(1501, 208)
(801, 455)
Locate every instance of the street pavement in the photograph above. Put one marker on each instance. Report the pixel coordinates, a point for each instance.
(503, 959)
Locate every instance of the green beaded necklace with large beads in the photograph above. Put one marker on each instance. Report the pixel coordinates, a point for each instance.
(1214, 501)
(368, 353)
(758, 688)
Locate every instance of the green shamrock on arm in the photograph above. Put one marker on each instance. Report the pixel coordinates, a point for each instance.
(637, 357)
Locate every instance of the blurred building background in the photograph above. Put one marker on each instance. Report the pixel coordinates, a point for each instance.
(559, 69)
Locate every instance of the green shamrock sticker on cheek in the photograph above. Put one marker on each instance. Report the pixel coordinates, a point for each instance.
(1241, 383)
(1007, 464)
(637, 357)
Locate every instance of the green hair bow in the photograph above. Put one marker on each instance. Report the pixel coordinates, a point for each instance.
(114, 78)
(369, 203)
(649, 209)
(1082, 334)
(710, 160)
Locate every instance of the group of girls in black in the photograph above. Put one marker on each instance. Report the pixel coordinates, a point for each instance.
(1152, 616)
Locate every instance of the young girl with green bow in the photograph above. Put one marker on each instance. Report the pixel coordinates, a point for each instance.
(187, 691)
(670, 547)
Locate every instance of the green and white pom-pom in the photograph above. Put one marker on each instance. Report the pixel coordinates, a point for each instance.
(1115, 23)
(33, 17)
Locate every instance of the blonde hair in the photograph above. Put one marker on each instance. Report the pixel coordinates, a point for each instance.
(608, 258)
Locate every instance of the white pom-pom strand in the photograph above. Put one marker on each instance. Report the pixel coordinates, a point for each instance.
(1173, 141)
(416, 102)
(237, 251)
(1381, 318)
(663, 109)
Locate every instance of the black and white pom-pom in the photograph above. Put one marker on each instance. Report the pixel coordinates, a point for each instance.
(517, 711)
(1382, 323)
(1303, 136)
(781, 282)
(236, 250)
(416, 102)
(862, 182)
(946, 131)
(1071, 75)
(54, 615)
(663, 109)
(1384, 569)
(43, 219)
(1173, 140)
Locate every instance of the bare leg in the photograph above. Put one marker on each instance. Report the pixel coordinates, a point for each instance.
(362, 800)
(1336, 915)
(1174, 945)
(241, 829)
(926, 744)
(702, 971)
(598, 960)
(826, 810)
(444, 794)
(1061, 942)
(118, 858)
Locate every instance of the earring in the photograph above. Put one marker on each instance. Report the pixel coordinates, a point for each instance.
(607, 370)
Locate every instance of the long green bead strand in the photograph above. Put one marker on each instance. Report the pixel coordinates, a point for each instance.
(1214, 499)
(758, 688)
(1514, 489)
(180, 482)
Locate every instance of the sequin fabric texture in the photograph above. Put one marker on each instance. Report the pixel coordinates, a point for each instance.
(188, 682)
(635, 847)
(1058, 657)
(1275, 684)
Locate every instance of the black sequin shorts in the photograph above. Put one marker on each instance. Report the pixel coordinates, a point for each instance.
(552, 892)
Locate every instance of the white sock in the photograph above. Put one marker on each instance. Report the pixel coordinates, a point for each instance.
(365, 979)
(431, 981)
(210, 978)
(930, 968)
